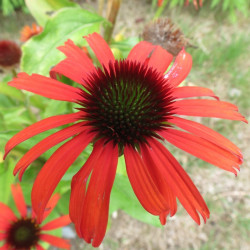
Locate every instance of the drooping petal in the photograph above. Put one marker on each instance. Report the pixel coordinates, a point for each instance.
(101, 49)
(206, 133)
(45, 145)
(180, 69)
(203, 149)
(56, 223)
(76, 66)
(19, 199)
(46, 87)
(160, 59)
(207, 108)
(141, 52)
(96, 203)
(159, 180)
(192, 91)
(78, 186)
(54, 169)
(178, 180)
(50, 205)
(55, 241)
(143, 184)
(39, 127)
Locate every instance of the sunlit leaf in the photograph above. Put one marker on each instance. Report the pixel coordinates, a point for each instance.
(41, 10)
(123, 197)
(40, 53)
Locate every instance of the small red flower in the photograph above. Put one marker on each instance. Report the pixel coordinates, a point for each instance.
(128, 107)
(27, 32)
(24, 232)
(10, 54)
(160, 3)
(195, 3)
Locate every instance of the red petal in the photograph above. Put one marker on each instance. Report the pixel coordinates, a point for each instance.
(19, 199)
(50, 205)
(6, 213)
(192, 91)
(178, 180)
(101, 49)
(59, 222)
(54, 169)
(55, 241)
(45, 145)
(78, 185)
(143, 184)
(3, 236)
(160, 182)
(5, 247)
(207, 108)
(39, 127)
(180, 69)
(160, 59)
(76, 66)
(46, 87)
(141, 52)
(70, 69)
(4, 224)
(206, 133)
(203, 149)
(96, 203)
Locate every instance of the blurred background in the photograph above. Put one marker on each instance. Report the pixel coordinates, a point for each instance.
(219, 35)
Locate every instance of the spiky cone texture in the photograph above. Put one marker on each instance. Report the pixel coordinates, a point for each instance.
(163, 32)
(23, 232)
(10, 54)
(129, 107)
(29, 31)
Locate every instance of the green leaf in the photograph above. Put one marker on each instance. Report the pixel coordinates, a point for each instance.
(7, 90)
(14, 117)
(40, 53)
(123, 197)
(41, 10)
(125, 45)
(6, 178)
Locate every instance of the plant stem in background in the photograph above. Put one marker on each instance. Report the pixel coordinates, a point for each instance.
(111, 14)
(13, 71)
(31, 114)
(100, 6)
(160, 9)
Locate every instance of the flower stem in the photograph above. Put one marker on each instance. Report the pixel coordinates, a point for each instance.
(160, 9)
(111, 14)
(14, 73)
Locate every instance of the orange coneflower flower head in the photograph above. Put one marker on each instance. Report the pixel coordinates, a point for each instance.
(27, 32)
(10, 54)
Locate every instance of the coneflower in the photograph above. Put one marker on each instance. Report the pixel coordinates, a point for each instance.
(23, 232)
(131, 108)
